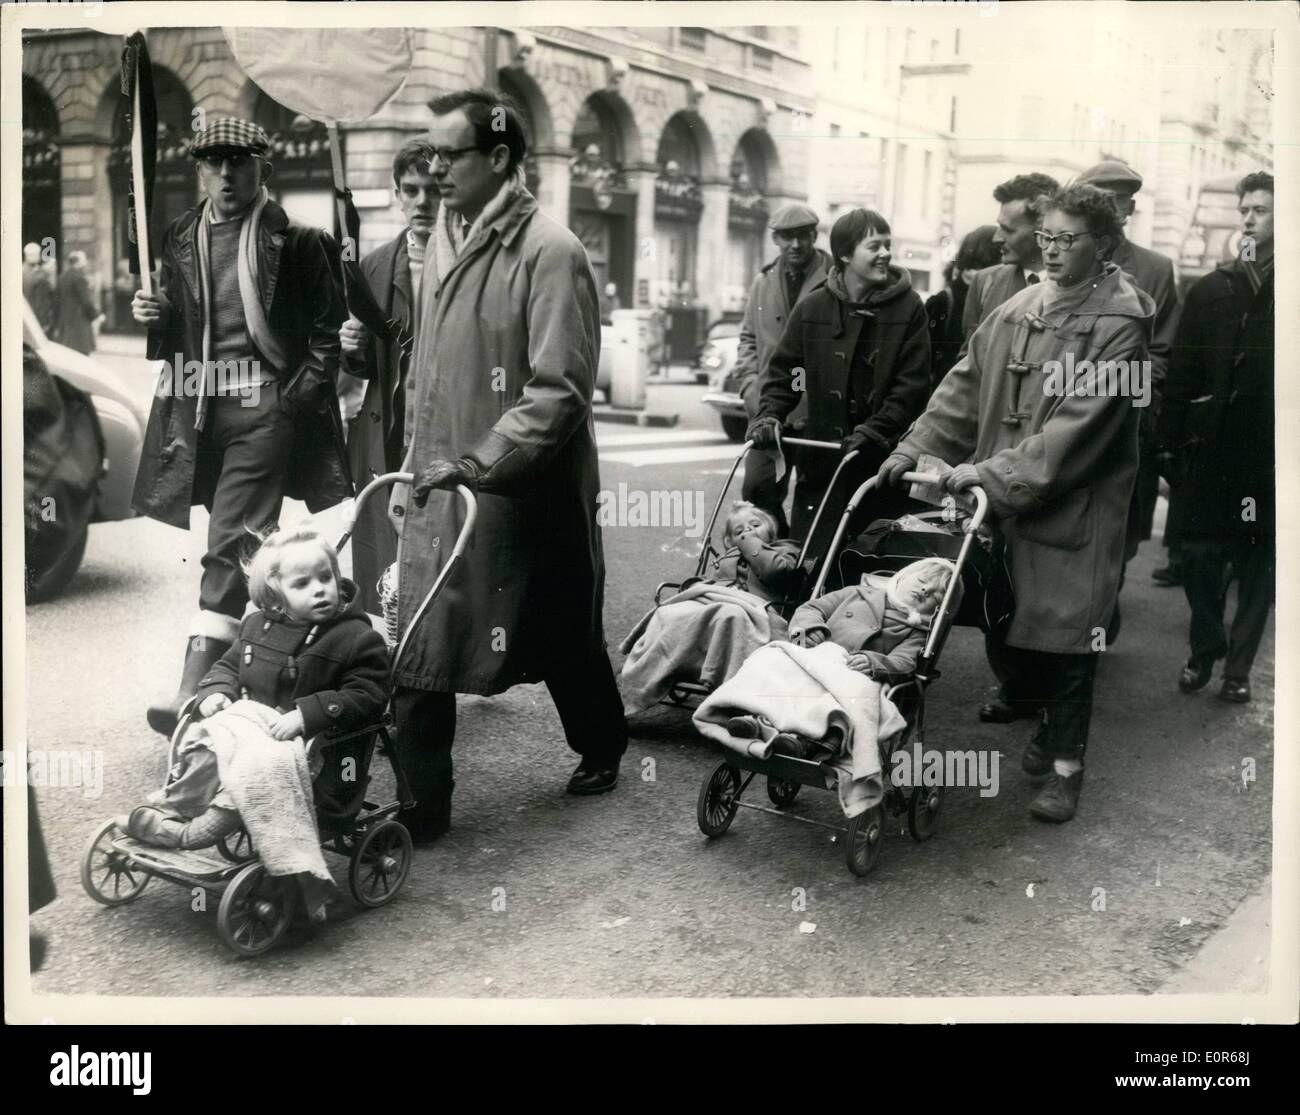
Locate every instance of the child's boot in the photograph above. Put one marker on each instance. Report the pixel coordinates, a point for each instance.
(153, 826)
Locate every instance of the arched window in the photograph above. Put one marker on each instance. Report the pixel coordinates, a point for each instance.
(42, 185)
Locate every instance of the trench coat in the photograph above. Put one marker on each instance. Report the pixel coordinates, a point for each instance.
(375, 436)
(504, 372)
(1059, 477)
(300, 296)
(76, 309)
(1218, 417)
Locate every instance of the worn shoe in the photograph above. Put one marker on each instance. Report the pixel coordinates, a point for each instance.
(1168, 576)
(743, 727)
(1058, 799)
(596, 780)
(1196, 675)
(1235, 690)
(1000, 712)
(1035, 761)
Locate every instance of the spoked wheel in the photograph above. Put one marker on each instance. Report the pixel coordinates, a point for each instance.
(781, 791)
(236, 847)
(345, 843)
(255, 911)
(717, 804)
(923, 807)
(107, 875)
(862, 842)
(380, 864)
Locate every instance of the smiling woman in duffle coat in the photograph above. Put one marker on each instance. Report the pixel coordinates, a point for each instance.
(1058, 467)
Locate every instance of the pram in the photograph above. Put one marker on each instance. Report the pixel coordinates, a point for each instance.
(685, 689)
(983, 602)
(256, 908)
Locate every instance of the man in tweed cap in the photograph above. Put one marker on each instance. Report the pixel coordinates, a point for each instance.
(245, 316)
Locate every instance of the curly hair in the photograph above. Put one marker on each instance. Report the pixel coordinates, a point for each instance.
(1258, 180)
(1094, 206)
(263, 568)
(415, 154)
(744, 507)
(1032, 189)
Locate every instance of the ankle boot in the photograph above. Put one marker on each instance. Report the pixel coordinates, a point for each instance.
(201, 652)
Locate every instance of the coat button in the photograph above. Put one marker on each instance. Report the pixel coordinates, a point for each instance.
(333, 708)
(266, 626)
(436, 543)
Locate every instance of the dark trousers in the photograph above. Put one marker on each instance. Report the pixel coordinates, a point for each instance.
(1060, 686)
(765, 490)
(585, 695)
(1206, 577)
(241, 465)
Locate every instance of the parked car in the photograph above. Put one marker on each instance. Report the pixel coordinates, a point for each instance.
(70, 399)
(717, 363)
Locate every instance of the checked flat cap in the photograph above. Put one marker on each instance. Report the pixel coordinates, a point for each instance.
(791, 216)
(231, 134)
(1112, 175)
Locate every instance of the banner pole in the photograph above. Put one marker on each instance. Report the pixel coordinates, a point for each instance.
(137, 184)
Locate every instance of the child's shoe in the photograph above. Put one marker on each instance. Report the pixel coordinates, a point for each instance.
(153, 826)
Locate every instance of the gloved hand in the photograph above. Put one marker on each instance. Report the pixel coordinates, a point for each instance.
(764, 432)
(444, 474)
(962, 477)
(895, 465)
(869, 449)
(1167, 466)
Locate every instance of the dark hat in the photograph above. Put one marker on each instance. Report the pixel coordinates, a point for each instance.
(1114, 176)
(230, 134)
(792, 216)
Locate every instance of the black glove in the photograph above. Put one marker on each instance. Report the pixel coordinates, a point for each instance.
(444, 474)
(871, 453)
(1167, 466)
(763, 432)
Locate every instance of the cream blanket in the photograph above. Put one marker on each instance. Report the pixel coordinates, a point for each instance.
(809, 692)
(703, 633)
(268, 782)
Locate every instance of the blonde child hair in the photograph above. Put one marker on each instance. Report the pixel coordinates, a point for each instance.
(914, 618)
(744, 507)
(262, 570)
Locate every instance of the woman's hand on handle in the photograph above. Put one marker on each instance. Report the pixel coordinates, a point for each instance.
(891, 472)
(961, 478)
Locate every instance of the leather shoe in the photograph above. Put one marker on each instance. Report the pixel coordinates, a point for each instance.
(1035, 761)
(999, 712)
(596, 780)
(1235, 690)
(1196, 675)
(1059, 798)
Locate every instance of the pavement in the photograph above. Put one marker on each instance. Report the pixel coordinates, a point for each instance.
(537, 894)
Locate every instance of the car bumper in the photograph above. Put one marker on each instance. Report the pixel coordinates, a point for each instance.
(724, 402)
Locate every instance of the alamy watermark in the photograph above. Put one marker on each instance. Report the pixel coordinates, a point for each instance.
(660, 507)
(83, 770)
(946, 768)
(190, 379)
(1104, 379)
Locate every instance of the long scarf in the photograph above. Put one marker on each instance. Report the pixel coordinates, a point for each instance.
(449, 235)
(250, 279)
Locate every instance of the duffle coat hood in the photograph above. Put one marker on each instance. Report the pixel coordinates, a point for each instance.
(1058, 467)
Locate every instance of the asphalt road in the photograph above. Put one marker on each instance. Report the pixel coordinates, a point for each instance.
(621, 895)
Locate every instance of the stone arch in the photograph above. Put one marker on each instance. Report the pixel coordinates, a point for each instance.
(524, 90)
(758, 149)
(688, 126)
(42, 215)
(618, 114)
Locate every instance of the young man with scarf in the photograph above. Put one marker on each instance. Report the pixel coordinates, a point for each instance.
(507, 343)
(245, 316)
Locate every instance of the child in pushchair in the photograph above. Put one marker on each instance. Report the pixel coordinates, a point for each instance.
(306, 661)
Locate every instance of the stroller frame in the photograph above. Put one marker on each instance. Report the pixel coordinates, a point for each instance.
(720, 794)
(256, 908)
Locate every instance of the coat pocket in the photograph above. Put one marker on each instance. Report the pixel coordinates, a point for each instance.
(1063, 525)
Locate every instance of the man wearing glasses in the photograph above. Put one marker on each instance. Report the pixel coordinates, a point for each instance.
(507, 342)
(245, 315)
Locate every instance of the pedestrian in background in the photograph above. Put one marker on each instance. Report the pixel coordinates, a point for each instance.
(799, 268)
(78, 309)
(1216, 438)
(944, 309)
(38, 290)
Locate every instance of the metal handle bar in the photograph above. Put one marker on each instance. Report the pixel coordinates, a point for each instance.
(466, 496)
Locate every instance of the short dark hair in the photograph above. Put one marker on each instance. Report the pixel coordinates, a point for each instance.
(977, 249)
(1095, 206)
(1032, 189)
(1258, 180)
(851, 228)
(415, 154)
(480, 107)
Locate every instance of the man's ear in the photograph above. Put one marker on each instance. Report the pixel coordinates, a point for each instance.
(268, 168)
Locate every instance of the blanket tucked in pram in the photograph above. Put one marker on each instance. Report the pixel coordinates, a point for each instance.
(267, 781)
(703, 634)
(809, 691)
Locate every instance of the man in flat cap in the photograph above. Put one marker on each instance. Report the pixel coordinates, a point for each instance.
(245, 315)
(799, 268)
(1154, 274)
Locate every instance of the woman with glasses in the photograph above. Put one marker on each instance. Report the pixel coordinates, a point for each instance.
(1037, 414)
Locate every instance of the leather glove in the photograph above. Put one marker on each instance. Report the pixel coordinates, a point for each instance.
(962, 477)
(1167, 466)
(764, 432)
(895, 465)
(446, 475)
(869, 449)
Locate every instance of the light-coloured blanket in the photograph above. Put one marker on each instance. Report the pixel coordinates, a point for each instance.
(703, 633)
(268, 782)
(809, 692)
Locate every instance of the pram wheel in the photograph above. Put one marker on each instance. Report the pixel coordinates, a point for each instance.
(781, 792)
(255, 911)
(862, 842)
(237, 847)
(923, 807)
(717, 804)
(380, 864)
(107, 875)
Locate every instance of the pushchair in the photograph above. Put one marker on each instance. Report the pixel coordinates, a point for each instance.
(256, 908)
(686, 689)
(883, 548)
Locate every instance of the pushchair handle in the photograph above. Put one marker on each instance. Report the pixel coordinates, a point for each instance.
(466, 496)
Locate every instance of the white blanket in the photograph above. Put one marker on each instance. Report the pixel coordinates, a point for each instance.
(267, 781)
(809, 692)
